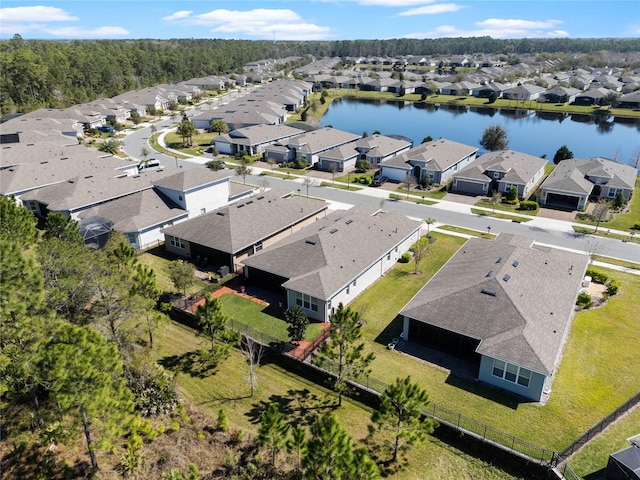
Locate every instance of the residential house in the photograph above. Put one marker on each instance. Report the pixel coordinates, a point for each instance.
(438, 160)
(341, 158)
(140, 216)
(574, 181)
(625, 464)
(630, 100)
(150, 98)
(500, 171)
(309, 145)
(233, 233)
(506, 305)
(485, 91)
(526, 92)
(243, 113)
(596, 96)
(561, 95)
(255, 139)
(200, 190)
(334, 259)
(377, 148)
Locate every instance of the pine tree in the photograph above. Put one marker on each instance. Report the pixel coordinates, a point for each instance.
(213, 325)
(400, 415)
(273, 431)
(341, 353)
(298, 323)
(17, 224)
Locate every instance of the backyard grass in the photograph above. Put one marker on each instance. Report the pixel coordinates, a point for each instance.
(593, 458)
(300, 400)
(503, 216)
(159, 262)
(260, 318)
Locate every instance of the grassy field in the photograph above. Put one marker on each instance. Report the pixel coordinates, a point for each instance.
(301, 399)
(159, 262)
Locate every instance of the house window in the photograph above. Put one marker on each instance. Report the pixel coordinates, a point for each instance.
(180, 197)
(306, 301)
(132, 238)
(388, 256)
(613, 192)
(511, 373)
(203, 210)
(176, 242)
(354, 283)
(496, 174)
(32, 205)
(348, 290)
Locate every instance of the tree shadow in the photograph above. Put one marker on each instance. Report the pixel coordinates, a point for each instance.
(197, 363)
(597, 475)
(300, 407)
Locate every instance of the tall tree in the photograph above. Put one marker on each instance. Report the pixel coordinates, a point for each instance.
(213, 325)
(181, 274)
(219, 126)
(17, 224)
(330, 454)
(298, 323)
(563, 153)
(186, 130)
(429, 221)
(409, 182)
(343, 355)
(400, 415)
(273, 431)
(84, 376)
(419, 249)
(253, 352)
(62, 227)
(494, 138)
(243, 169)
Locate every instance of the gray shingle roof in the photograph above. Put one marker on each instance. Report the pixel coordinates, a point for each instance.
(438, 154)
(570, 175)
(528, 305)
(320, 140)
(518, 167)
(333, 251)
(138, 211)
(186, 180)
(235, 227)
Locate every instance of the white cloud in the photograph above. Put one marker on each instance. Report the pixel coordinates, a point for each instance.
(77, 32)
(177, 15)
(34, 14)
(432, 9)
(259, 23)
(499, 28)
(394, 3)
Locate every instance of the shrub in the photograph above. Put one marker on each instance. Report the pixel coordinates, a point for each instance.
(300, 163)
(528, 205)
(584, 300)
(223, 421)
(596, 275)
(613, 287)
(405, 258)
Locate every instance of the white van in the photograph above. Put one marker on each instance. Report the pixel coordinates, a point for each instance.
(150, 165)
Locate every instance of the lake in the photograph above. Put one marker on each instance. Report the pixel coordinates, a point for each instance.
(535, 133)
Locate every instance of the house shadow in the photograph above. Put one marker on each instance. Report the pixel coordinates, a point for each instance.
(391, 331)
(598, 475)
(480, 389)
(300, 407)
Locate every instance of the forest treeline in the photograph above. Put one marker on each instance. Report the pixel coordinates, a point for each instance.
(58, 74)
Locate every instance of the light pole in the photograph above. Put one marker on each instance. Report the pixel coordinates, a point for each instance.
(488, 229)
(176, 158)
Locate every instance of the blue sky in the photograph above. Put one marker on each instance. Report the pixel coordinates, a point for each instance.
(318, 19)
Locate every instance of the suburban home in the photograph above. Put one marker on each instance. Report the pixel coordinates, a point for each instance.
(438, 160)
(500, 171)
(485, 91)
(576, 180)
(227, 236)
(140, 217)
(630, 100)
(596, 96)
(149, 97)
(506, 305)
(309, 145)
(255, 139)
(201, 190)
(334, 259)
(343, 158)
(525, 92)
(377, 148)
(243, 113)
(561, 95)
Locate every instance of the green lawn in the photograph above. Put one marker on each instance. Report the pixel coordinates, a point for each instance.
(157, 260)
(340, 186)
(201, 142)
(486, 203)
(300, 399)
(466, 231)
(593, 458)
(485, 213)
(624, 221)
(259, 317)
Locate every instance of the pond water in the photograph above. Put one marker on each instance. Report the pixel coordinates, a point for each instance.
(535, 133)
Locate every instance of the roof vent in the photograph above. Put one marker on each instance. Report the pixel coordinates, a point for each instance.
(348, 221)
(240, 206)
(333, 230)
(220, 213)
(499, 260)
(260, 197)
(310, 242)
(515, 263)
(506, 277)
(489, 273)
(249, 202)
(486, 291)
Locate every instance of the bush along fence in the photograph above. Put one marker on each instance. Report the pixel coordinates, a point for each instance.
(370, 389)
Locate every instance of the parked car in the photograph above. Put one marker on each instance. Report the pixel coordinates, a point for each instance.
(378, 180)
(107, 129)
(150, 165)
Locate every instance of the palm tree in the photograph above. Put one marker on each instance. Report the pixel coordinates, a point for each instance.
(429, 221)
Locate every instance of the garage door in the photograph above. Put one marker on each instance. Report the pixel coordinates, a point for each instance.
(566, 202)
(473, 188)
